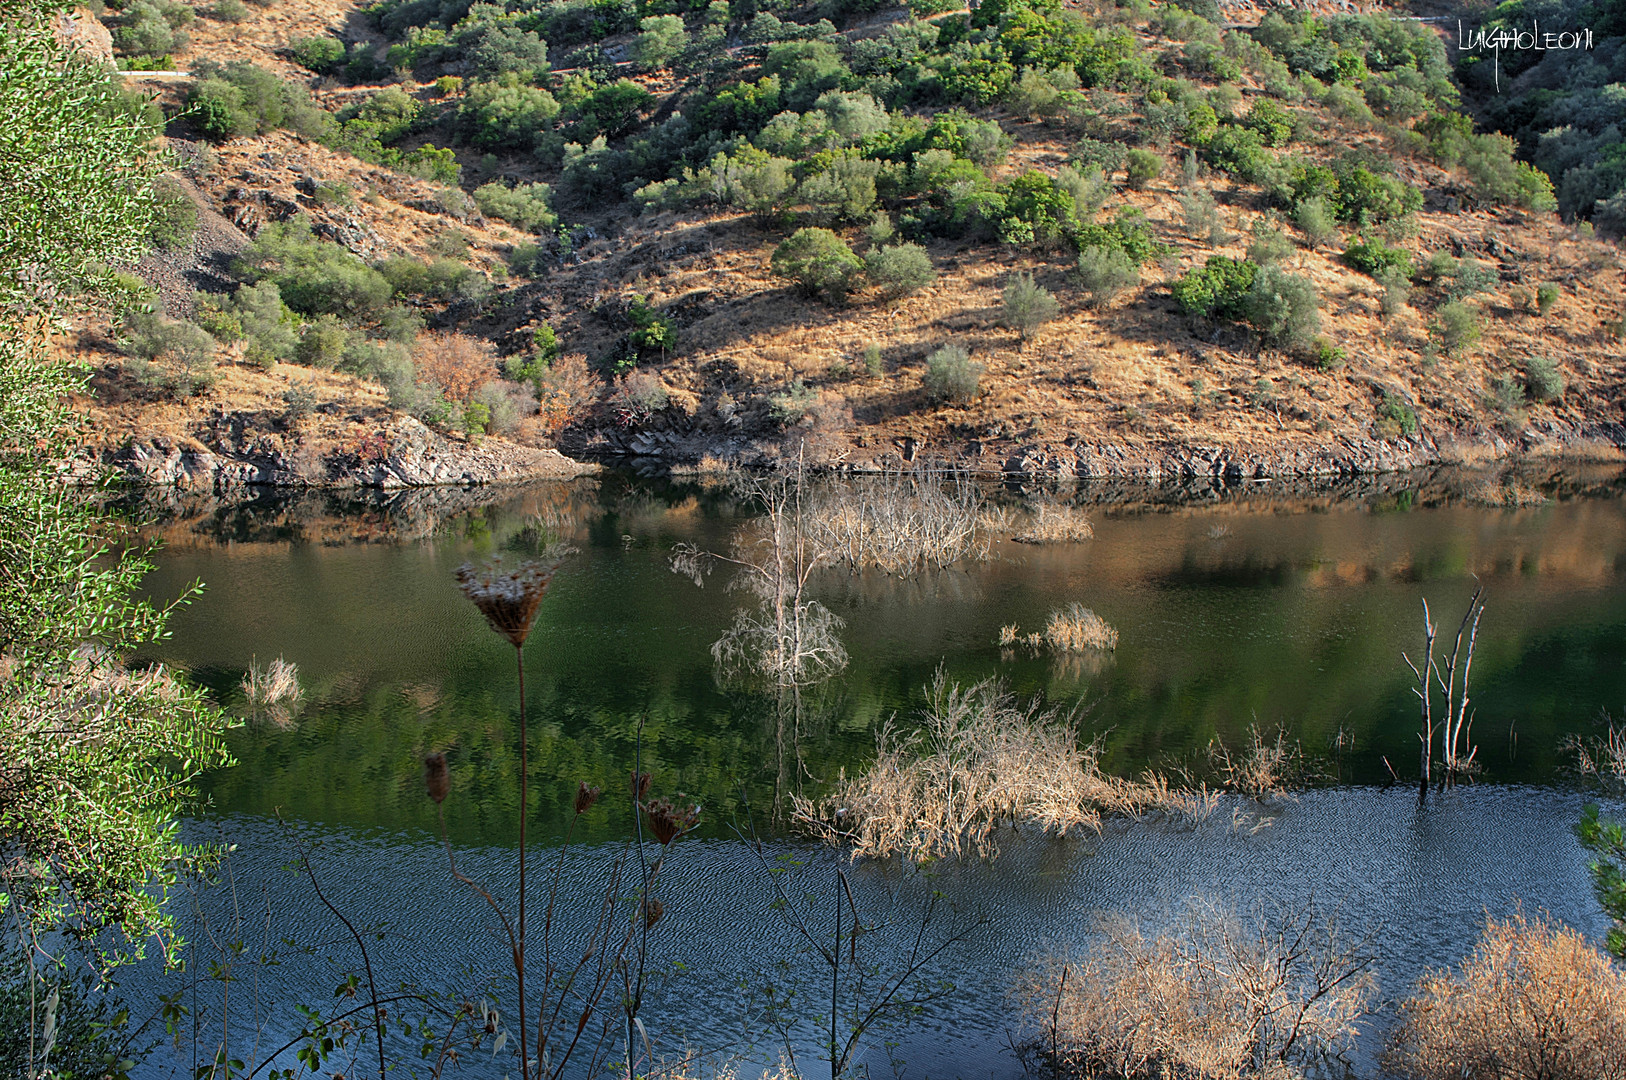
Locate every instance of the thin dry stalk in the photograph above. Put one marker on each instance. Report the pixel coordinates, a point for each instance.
(1213, 997)
(1534, 1000)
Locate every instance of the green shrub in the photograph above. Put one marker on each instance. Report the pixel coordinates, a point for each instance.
(1372, 258)
(1315, 220)
(1544, 380)
(254, 314)
(1217, 289)
(819, 262)
(523, 205)
(1489, 164)
(1396, 417)
(951, 376)
(1283, 307)
(175, 215)
(1141, 167)
(1396, 282)
(505, 114)
(1027, 305)
(527, 260)
(872, 360)
(492, 50)
(322, 344)
(1268, 243)
(229, 11)
(314, 276)
(1201, 216)
(299, 400)
(1129, 233)
(449, 85)
(1104, 272)
(1326, 355)
(1546, 297)
(322, 55)
(660, 40)
(152, 28)
(1109, 157)
(794, 403)
(1470, 278)
(652, 331)
(1271, 121)
(900, 269)
(184, 352)
(1456, 326)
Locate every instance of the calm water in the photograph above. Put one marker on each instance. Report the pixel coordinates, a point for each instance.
(1234, 607)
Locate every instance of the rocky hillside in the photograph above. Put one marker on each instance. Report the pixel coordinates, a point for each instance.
(434, 242)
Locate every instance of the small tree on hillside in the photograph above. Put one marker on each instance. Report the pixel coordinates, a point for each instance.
(820, 263)
(1028, 305)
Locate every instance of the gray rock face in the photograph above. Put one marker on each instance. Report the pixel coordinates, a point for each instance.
(406, 455)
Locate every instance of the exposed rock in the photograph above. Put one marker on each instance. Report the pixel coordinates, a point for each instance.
(405, 455)
(82, 30)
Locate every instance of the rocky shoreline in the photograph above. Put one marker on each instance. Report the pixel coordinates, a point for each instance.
(230, 454)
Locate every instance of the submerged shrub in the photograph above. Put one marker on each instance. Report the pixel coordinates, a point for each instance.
(1534, 1000)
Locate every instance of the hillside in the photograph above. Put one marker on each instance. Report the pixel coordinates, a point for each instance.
(719, 235)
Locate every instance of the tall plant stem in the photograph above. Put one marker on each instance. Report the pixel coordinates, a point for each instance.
(519, 949)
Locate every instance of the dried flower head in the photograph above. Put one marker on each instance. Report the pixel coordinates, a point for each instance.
(586, 797)
(640, 785)
(507, 598)
(435, 777)
(668, 822)
(653, 910)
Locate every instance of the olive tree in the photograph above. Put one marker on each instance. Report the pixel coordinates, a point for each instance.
(99, 754)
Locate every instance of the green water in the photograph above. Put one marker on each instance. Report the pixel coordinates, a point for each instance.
(1233, 607)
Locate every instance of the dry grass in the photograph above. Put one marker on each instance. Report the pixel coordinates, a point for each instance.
(1213, 998)
(900, 524)
(1510, 493)
(1262, 768)
(1076, 628)
(1533, 1002)
(276, 684)
(1056, 525)
(980, 759)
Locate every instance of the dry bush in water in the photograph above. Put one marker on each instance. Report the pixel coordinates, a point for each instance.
(900, 524)
(1261, 768)
(456, 363)
(1601, 759)
(275, 684)
(1533, 1001)
(1056, 525)
(1213, 997)
(978, 760)
(1075, 628)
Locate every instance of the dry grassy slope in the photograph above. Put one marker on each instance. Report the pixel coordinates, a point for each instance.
(1136, 375)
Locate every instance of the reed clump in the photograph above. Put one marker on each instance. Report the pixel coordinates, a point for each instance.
(1056, 525)
(276, 684)
(1212, 997)
(1534, 1000)
(980, 759)
(1076, 628)
(901, 524)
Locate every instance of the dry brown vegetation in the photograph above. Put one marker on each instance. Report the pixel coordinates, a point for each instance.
(1262, 767)
(457, 363)
(1535, 1001)
(1049, 524)
(1214, 997)
(1602, 758)
(978, 760)
(1076, 628)
(901, 524)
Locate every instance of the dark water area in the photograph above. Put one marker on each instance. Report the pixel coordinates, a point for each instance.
(1258, 605)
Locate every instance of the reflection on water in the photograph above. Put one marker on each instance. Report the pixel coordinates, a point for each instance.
(1233, 607)
(1260, 604)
